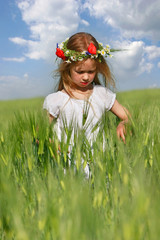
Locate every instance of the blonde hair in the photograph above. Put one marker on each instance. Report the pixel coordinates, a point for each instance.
(80, 42)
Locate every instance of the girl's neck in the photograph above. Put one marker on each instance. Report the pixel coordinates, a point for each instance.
(80, 93)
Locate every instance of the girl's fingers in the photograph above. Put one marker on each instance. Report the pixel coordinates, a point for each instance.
(121, 132)
(123, 138)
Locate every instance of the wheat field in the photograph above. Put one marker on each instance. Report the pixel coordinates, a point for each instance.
(120, 199)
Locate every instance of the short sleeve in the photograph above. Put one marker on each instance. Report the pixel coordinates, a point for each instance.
(105, 96)
(52, 104)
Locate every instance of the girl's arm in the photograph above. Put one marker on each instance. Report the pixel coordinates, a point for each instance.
(122, 113)
(50, 118)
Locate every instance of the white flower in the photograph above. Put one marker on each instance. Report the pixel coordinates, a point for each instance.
(103, 52)
(61, 45)
(107, 51)
(99, 51)
(80, 59)
(67, 52)
(107, 46)
(73, 58)
(68, 61)
(84, 52)
(94, 56)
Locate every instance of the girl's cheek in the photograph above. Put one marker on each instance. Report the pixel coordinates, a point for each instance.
(93, 76)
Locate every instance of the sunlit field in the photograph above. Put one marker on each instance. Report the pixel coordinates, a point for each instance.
(44, 192)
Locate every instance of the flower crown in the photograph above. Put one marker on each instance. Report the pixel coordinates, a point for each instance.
(71, 55)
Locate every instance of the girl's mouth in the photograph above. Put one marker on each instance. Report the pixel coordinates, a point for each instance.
(84, 83)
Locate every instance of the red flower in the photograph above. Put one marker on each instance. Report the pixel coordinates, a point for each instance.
(60, 53)
(92, 49)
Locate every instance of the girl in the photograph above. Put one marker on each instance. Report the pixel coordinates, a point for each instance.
(80, 92)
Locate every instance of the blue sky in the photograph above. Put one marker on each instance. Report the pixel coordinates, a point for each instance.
(30, 30)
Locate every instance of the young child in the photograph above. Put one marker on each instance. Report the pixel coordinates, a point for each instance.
(80, 90)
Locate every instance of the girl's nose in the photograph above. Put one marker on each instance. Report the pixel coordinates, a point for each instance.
(85, 76)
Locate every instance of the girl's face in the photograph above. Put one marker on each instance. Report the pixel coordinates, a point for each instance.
(83, 75)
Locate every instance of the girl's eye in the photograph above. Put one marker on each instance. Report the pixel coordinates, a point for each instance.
(79, 72)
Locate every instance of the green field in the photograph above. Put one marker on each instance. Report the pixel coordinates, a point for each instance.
(119, 201)
(9, 108)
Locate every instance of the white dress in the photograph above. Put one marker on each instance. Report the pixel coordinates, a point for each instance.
(71, 111)
(68, 111)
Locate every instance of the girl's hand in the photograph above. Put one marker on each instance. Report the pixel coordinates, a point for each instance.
(123, 114)
(121, 131)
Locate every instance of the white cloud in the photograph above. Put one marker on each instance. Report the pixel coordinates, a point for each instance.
(85, 22)
(153, 52)
(49, 22)
(158, 64)
(19, 41)
(131, 62)
(25, 75)
(135, 18)
(21, 59)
